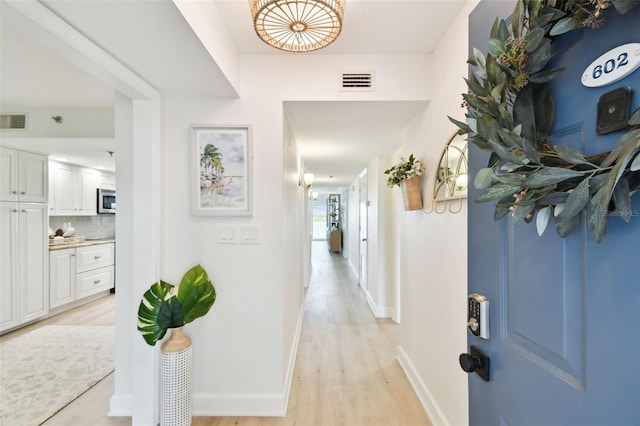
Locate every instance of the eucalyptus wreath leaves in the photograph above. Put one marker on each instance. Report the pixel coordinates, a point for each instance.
(511, 111)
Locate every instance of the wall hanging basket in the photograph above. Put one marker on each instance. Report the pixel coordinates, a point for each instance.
(411, 193)
(176, 380)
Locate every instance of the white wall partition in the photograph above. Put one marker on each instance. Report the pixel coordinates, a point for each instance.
(434, 250)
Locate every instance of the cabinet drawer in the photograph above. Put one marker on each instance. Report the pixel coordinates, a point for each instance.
(92, 282)
(93, 257)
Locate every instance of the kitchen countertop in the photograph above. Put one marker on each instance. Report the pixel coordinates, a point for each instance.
(83, 244)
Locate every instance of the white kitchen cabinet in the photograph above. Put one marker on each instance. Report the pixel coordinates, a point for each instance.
(94, 269)
(107, 180)
(51, 199)
(62, 277)
(74, 190)
(23, 176)
(8, 261)
(24, 263)
(91, 282)
(76, 273)
(64, 189)
(87, 192)
(93, 257)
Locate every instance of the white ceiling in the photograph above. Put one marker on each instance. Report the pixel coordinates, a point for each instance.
(338, 139)
(153, 40)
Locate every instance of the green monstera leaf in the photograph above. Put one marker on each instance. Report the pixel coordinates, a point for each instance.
(157, 312)
(165, 306)
(196, 294)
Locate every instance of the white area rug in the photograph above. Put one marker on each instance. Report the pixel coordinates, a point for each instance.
(44, 370)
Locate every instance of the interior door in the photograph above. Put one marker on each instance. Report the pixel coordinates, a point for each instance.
(564, 337)
(364, 206)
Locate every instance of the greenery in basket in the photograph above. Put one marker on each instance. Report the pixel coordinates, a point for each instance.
(166, 306)
(403, 170)
(511, 111)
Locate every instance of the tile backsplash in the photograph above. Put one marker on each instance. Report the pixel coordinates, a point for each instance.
(92, 227)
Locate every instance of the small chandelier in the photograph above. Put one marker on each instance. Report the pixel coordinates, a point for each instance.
(297, 25)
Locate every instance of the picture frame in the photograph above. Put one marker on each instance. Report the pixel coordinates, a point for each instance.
(221, 163)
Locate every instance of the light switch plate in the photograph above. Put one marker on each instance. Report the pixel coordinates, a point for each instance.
(227, 234)
(249, 235)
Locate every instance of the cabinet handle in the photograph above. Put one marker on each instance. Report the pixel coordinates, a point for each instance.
(15, 210)
(96, 282)
(14, 192)
(24, 211)
(96, 257)
(22, 192)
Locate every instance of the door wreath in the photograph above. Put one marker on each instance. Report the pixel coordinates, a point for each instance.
(510, 113)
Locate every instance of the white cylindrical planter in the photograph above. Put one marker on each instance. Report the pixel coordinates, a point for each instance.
(176, 380)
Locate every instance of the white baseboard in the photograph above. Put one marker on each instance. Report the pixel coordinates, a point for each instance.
(353, 269)
(293, 354)
(262, 405)
(258, 405)
(378, 311)
(429, 403)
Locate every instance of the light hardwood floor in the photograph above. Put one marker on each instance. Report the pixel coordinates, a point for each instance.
(346, 371)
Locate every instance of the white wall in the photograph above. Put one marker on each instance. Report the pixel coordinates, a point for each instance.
(380, 276)
(296, 254)
(245, 331)
(138, 139)
(317, 77)
(76, 123)
(434, 250)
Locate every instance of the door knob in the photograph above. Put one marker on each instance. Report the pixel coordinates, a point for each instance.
(475, 362)
(470, 363)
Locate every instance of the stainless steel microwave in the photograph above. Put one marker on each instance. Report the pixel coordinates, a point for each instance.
(106, 201)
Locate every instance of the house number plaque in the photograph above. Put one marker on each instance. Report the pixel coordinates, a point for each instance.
(612, 66)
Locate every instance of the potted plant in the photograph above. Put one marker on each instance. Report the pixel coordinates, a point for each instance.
(165, 306)
(406, 174)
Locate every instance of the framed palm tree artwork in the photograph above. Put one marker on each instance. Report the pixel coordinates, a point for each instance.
(221, 164)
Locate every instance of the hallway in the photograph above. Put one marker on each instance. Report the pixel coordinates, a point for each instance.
(346, 370)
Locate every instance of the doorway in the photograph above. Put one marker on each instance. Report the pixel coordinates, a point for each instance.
(319, 221)
(363, 230)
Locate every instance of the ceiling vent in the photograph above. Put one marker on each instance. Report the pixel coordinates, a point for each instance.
(357, 82)
(13, 121)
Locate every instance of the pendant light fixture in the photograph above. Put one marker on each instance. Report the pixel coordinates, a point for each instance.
(297, 25)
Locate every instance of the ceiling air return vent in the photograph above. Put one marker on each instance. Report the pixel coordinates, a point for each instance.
(13, 121)
(357, 82)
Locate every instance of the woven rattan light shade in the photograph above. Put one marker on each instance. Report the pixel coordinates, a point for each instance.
(297, 25)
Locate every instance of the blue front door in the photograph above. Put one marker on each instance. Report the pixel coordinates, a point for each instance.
(564, 314)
